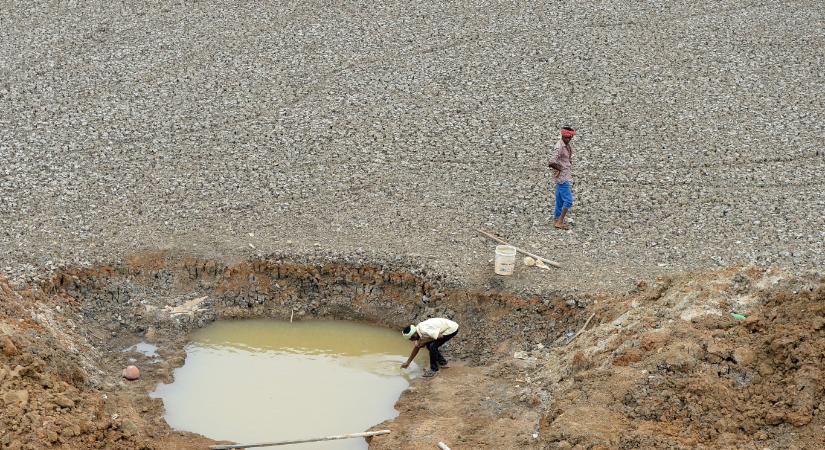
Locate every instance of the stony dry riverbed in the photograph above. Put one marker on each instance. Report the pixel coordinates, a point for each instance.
(165, 164)
(378, 133)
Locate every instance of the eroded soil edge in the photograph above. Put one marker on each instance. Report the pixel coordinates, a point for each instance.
(665, 365)
(67, 334)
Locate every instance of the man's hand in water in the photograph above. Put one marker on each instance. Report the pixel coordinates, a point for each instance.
(405, 365)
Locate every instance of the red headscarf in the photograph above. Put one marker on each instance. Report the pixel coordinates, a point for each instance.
(568, 133)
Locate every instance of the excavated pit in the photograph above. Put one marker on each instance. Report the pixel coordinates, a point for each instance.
(106, 316)
(665, 365)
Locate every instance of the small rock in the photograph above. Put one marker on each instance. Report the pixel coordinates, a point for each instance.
(16, 372)
(761, 435)
(131, 373)
(151, 334)
(20, 398)
(744, 356)
(529, 261)
(50, 436)
(9, 349)
(63, 401)
(45, 382)
(128, 428)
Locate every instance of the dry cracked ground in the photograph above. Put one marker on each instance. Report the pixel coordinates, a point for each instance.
(375, 132)
(336, 159)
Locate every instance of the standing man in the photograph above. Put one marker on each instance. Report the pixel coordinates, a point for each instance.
(562, 165)
(431, 333)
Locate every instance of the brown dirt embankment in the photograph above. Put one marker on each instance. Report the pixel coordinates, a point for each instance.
(665, 366)
(671, 368)
(72, 330)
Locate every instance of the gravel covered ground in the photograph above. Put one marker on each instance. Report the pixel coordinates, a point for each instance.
(358, 130)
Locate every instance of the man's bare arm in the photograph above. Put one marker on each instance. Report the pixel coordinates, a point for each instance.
(553, 164)
(412, 355)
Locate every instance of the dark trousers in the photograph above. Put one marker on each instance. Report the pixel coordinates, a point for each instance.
(436, 357)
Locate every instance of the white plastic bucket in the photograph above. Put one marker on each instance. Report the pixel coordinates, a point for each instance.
(505, 259)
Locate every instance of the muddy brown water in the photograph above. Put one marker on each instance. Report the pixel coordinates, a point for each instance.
(262, 381)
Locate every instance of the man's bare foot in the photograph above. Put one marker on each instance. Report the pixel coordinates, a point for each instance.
(561, 226)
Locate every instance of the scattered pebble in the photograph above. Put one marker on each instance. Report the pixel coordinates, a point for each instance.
(131, 373)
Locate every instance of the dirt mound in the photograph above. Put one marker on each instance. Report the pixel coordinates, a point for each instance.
(53, 388)
(676, 369)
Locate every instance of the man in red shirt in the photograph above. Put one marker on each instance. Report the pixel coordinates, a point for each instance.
(562, 164)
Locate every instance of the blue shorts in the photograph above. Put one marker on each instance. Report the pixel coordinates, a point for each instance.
(564, 198)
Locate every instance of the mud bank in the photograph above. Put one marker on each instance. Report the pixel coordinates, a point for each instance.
(664, 366)
(66, 335)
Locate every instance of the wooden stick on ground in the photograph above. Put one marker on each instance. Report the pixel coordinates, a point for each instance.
(523, 252)
(301, 441)
(582, 329)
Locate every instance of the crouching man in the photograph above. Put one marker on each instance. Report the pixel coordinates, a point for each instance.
(431, 333)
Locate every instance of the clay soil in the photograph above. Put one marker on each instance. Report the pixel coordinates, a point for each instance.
(663, 366)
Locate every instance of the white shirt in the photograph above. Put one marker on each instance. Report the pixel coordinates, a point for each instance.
(432, 329)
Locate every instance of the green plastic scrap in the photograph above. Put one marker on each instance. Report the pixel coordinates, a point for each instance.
(738, 316)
